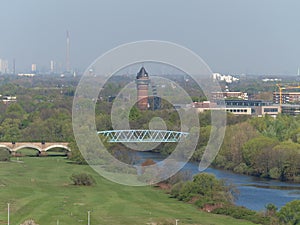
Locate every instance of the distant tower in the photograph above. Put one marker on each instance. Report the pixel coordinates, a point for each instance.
(68, 53)
(142, 83)
(14, 66)
(33, 68)
(51, 66)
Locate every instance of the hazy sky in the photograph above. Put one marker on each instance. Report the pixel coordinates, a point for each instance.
(232, 36)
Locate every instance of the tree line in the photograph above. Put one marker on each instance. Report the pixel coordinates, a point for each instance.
(259, 146)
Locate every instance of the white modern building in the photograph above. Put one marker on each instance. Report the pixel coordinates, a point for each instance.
(3, 66)
(226, 78)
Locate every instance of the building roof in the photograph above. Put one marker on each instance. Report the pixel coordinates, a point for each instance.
(142, 73)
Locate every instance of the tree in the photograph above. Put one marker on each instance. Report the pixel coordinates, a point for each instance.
(9, 129)
(75, 154)
(257, 154)
(271, 209)
(281, 128)
(236, 136)
(287, 157)
(290, 213)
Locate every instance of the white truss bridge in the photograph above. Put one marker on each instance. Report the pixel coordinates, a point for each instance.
(142, 136)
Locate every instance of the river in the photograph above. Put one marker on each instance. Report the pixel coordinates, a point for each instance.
(254, 193)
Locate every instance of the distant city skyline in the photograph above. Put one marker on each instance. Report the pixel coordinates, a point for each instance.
(232, 36)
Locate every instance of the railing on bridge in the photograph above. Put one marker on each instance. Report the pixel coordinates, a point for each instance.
(161, 136)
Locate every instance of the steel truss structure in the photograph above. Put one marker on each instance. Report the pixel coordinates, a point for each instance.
(161, 136)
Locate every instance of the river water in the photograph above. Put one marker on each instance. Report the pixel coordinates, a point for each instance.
(254, 193)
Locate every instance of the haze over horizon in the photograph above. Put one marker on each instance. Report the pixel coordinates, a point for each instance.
(232, 36)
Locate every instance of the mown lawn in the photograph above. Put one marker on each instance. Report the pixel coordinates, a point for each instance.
(40, 188)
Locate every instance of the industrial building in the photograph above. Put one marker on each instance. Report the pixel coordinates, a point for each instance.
(286, 97)
(292, 110)
(240, 107)
(229, 94)
(3, 66)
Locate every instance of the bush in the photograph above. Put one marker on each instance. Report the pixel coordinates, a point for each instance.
(239, 212)
(206, 188)
(181, 176)
(29, 222)
(4, 154)
(202, 201)
(83, 179)
(241, 168)
(176, 189)
(275, 173)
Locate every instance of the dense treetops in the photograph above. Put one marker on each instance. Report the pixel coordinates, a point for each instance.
(260, 146)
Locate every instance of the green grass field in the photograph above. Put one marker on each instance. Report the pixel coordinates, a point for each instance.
(40, 188)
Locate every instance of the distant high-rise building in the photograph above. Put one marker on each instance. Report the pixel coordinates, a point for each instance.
(14, 66)
(3, 66)
(142, 82)
(51, 66)
(33, 68)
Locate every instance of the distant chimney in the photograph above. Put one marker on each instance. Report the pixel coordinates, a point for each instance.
(68, 69)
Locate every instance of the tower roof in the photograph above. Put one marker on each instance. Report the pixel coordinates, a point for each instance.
(142, 73)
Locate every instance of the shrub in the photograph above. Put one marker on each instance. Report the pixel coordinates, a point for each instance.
(204, 187)
(148, 162)
(271, 209)
(29, 222)
(202, 201)
(239, 212)
(176, 189)
(83, 179)
(241, 168)
(181, 176)
(4, 154)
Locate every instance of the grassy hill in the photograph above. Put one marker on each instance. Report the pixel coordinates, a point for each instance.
(40, 188)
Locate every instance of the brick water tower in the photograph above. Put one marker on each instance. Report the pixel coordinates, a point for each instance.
(142, 83)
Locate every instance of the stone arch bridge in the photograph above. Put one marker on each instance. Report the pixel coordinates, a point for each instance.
(42, 148)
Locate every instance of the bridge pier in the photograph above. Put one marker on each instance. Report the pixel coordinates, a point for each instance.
(43, 153)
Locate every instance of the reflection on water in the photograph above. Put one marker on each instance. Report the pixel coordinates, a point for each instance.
(255, 193)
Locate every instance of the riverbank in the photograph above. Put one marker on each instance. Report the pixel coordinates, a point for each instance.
(254, 193)
(40, 188)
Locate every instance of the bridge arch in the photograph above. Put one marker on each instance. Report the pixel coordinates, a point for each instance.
(31, 146)
(6, 147)
(57, 146)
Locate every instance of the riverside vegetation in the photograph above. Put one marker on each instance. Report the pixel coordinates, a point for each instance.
(263, 147)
